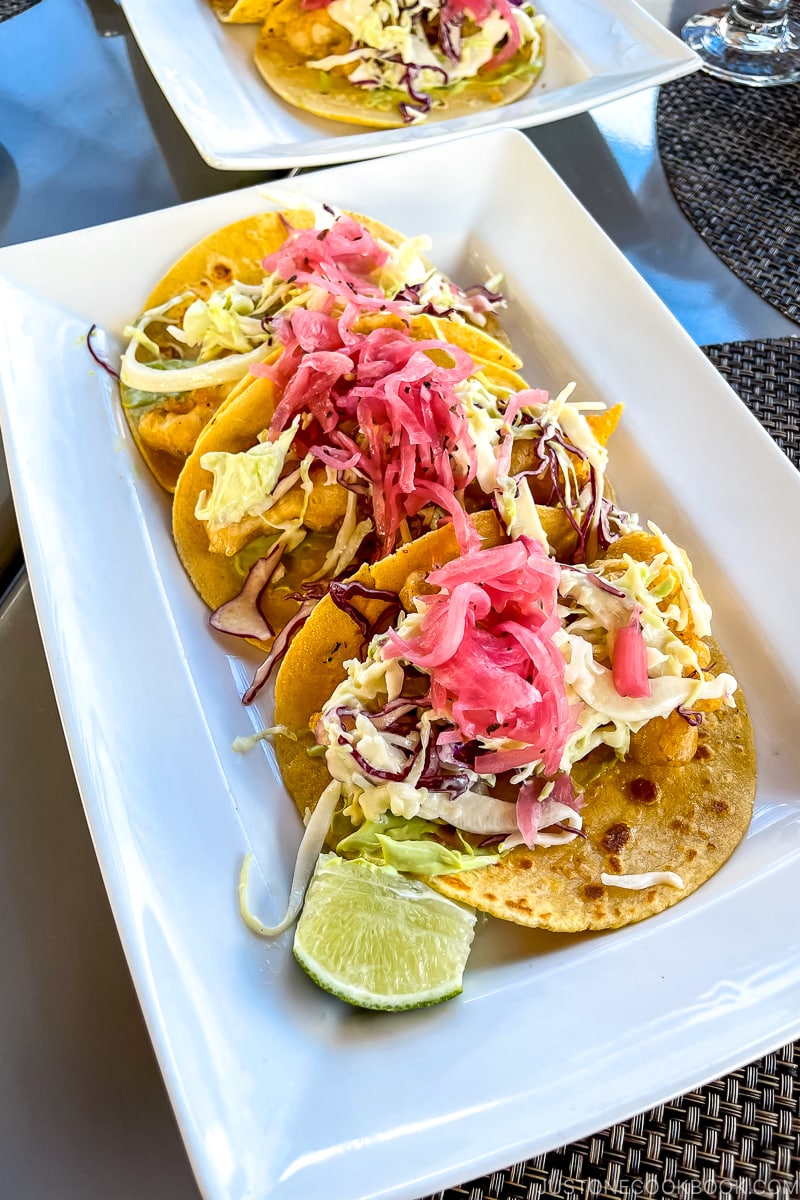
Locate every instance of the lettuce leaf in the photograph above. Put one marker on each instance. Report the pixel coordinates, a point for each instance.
(408, 845)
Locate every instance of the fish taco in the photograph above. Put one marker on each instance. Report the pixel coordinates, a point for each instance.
(377, 63)
(560, 745)
(218, 310)
(360, 438)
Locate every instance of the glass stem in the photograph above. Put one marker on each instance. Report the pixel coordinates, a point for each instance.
(760, 16)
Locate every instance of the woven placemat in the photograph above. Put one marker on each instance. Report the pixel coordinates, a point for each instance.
(767, 377)
(731, 155)
(10, 8)
(740, 1136)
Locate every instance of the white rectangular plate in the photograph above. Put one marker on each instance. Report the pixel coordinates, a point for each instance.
(282, 1092)
(597, 50)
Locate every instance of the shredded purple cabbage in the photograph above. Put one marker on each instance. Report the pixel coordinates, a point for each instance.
(458, 784)
(310, 591)
(279, 648)
(242, 616)
(420, 102)
(360, 489)
(463, 752)
(604, 585)
(450, 37)
(431, 776)
(101, 362)
(340, 593)
(478, 289)
(375, 772)
(588, 517)
(581, 833)
(605, 534)
(545, 452)
(410, 295)
(407, 112)
(390, 716)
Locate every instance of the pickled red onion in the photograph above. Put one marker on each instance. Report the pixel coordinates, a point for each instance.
(629, 659)
(529, 810)
(514, 36)
(485, 639)
(345, 253)
(391, 408)
(531, 396)
(315, 330)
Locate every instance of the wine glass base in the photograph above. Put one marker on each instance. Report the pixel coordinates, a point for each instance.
(759, 59)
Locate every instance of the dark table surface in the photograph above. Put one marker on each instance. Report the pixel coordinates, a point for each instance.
(85, 137)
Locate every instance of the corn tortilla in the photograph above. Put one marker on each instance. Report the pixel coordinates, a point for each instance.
(234, 252)
(681, 817)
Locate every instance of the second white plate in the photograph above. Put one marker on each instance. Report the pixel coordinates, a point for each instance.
(597, 50)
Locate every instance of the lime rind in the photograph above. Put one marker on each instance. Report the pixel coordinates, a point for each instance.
(361, 999)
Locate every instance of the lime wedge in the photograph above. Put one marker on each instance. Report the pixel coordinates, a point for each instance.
(377, 939)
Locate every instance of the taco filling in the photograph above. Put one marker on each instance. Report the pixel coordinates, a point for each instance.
(527, 668)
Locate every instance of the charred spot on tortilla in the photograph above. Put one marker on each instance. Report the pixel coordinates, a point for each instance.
(615, 837)
(643, 791)
(223, 270)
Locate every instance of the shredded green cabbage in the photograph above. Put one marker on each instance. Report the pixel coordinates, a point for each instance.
(406, 845)
(245, 743)
(243, 482)
(307, 855)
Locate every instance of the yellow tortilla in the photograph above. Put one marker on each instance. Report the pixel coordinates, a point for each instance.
(242, 12)
(234, 429)
(685, 817)
(488, 345)
(330, 94)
